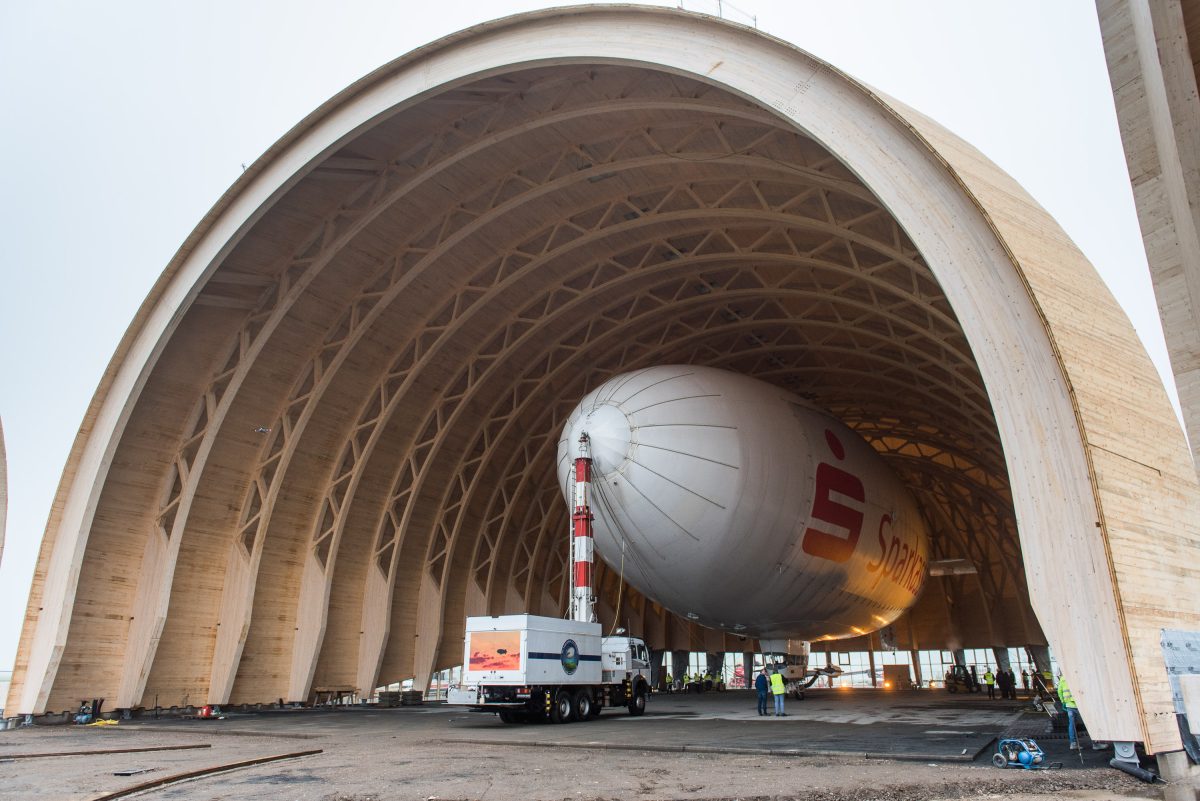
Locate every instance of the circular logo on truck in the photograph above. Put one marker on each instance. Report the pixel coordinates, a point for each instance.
(569, 656)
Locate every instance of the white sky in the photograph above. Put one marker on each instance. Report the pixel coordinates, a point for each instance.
(121, 123)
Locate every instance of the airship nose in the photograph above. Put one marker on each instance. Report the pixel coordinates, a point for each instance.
(611, 435)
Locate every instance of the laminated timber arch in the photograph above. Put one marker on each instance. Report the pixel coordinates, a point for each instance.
(329, 433)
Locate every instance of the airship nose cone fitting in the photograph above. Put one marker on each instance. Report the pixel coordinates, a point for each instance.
(611, 435)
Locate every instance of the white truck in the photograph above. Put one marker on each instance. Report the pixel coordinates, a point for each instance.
(529, 668)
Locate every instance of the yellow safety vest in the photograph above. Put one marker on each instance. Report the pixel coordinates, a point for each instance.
(988, 678)
(777, 684)
(1064, 695)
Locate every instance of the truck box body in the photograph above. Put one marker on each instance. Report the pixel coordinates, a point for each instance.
(524, 650)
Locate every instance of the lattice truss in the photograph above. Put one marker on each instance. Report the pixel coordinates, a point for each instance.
(450, 284)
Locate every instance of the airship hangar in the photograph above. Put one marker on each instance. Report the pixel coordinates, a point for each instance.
(330, 432)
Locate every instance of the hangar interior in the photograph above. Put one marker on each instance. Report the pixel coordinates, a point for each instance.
(344, 442)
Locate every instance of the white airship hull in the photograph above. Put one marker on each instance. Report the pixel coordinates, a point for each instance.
(736, 504)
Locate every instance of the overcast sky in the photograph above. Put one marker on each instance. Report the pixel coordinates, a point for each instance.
(121, 123)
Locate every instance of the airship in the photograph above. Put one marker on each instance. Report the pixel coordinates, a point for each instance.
(740, 506)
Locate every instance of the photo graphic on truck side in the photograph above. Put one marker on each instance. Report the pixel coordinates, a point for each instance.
(495, 650)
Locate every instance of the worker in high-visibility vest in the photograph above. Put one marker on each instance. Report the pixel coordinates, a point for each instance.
(1070, 708)
(778, 689)
(670, 682)
(989, 678)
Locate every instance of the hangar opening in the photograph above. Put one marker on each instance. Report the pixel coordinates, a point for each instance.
(330, 433)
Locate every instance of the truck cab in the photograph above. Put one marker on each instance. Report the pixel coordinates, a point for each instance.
(624, 658)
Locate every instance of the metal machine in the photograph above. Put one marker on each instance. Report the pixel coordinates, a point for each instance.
(1021, 752)
(958, 676)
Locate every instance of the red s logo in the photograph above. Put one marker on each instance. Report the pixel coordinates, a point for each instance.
(830, 479)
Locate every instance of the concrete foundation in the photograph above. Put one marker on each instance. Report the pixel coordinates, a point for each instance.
(1182, 775)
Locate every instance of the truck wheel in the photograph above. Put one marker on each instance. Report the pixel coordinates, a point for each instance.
(508, 716)
(583, 704)
(637, 704)
(560, 710)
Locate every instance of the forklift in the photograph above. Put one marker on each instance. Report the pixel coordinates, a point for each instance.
(957, 676)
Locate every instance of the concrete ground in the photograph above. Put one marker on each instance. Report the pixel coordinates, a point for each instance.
(836, 744)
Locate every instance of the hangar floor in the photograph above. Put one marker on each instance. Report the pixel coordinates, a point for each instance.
(854, 744)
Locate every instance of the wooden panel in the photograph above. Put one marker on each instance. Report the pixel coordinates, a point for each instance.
(1146, 46)
(1143, 477)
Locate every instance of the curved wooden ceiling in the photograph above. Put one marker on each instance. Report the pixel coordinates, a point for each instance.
(349, 442)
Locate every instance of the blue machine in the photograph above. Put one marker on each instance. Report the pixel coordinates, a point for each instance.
(88, 711)
(1020, 752)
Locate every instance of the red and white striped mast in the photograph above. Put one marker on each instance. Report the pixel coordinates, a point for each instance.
(583, 600)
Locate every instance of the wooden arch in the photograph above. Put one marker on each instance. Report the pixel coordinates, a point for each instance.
(329, 434)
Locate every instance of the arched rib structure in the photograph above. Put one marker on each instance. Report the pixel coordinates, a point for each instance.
(330, 432)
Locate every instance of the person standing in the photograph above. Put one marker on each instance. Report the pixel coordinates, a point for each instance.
(762, 684)
(989, 679)
(670, 683)
(778, 689)
(1070, 708)
(1025, 680)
